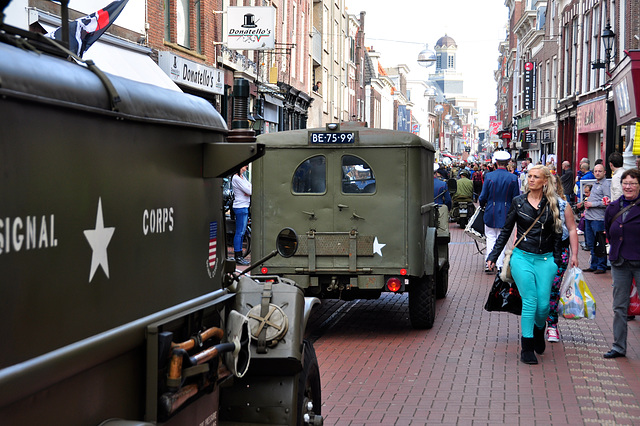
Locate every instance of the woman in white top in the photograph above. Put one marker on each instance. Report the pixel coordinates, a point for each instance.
(242, 199)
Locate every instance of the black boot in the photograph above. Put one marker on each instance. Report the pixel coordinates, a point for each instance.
(527, 356)
(538, 338)
(239, 259)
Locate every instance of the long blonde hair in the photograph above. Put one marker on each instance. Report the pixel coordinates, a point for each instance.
(549, 191)
(559, 188)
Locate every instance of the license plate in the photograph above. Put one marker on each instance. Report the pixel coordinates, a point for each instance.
(463, 211)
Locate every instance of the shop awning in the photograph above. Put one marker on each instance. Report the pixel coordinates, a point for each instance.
(273, 100)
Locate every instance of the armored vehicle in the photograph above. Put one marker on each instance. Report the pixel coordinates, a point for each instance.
(361, 201)
(117, 305)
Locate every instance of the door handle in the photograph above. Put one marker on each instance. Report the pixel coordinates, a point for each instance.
(355, 216)
(312, 215)
(342, 206)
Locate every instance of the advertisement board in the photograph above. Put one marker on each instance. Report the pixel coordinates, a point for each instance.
(251, 28)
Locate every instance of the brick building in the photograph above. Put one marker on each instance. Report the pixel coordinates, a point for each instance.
(556, 76)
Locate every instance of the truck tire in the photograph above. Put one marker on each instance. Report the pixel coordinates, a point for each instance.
(309, 389)
(422, 302)
(442, 281)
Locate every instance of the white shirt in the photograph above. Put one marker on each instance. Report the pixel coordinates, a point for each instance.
(241, 191)
(616, 184)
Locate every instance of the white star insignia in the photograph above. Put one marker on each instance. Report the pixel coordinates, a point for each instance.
(99, 239)
(377, 247)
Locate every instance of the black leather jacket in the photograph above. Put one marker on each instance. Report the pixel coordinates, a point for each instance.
(542, 238)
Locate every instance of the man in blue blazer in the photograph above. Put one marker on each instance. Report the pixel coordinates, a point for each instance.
(499, 188)
(443, 198)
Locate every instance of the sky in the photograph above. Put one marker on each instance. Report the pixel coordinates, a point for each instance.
(477, 26)
(132, 16)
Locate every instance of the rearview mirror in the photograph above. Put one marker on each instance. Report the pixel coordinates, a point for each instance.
(287, 242)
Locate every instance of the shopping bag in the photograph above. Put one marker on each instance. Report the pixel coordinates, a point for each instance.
(475, 226)
(600, 244)
(504, 297)
(576, 299)
(589, 301)
(571, 302)
(634, 300)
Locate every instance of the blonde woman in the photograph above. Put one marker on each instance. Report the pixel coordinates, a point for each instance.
(536, 258)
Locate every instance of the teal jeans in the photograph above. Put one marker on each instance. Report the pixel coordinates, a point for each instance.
(533, 274)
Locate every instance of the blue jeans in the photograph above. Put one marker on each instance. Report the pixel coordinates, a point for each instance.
(242, 217)
(533, 274)
(590, 229)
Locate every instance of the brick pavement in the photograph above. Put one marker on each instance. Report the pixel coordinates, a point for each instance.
(377, 370)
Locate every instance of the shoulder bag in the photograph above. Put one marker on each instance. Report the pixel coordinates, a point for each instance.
(505, 274)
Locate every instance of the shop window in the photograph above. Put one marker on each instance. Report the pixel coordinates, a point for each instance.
(310, 177)
(178, 15)
(357, 176)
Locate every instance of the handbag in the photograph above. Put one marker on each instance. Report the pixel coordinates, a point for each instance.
(475, 226)
(504, 297)
(600, 244)
(505, 274)
(634, 300)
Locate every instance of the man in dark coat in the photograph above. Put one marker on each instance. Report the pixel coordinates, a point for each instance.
(499, 188)
(567, 181)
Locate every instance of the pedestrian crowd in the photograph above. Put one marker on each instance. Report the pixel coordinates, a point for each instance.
(548, 210)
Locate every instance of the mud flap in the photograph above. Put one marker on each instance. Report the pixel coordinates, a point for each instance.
(430, 253)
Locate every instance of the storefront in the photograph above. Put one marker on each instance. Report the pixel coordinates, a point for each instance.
(591, 124)
(295, 109)
(273, 103)
(193, 77)
(625, 85)
(526, 139)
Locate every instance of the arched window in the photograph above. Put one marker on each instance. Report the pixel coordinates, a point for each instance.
(357, 176)
(311, 176)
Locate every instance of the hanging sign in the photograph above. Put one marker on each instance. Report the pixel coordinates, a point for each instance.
(251, 28)
(529, 85)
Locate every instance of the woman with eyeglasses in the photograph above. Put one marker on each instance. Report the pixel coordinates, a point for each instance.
(622, 225)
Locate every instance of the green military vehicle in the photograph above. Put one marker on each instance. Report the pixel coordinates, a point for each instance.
(117, 305)
(361, 201)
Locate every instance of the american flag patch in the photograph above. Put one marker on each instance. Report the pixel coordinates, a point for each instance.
(213, 242)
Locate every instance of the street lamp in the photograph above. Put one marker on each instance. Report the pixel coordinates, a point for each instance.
(608, 40)
(427, 57)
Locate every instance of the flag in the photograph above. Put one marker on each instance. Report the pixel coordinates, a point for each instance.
(213, 242)
(83, 32)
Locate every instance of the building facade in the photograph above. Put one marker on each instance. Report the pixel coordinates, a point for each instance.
(557, 74)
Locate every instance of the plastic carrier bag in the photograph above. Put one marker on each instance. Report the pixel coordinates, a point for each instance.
(634, 300)
(576, 300)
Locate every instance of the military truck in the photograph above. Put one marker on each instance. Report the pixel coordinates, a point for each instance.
(362, 202)
(117, 305)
